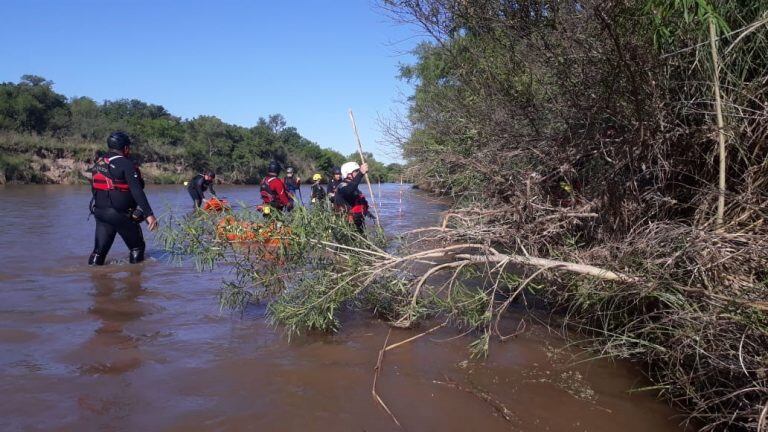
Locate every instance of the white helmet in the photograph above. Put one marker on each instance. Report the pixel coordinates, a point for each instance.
(348, 168)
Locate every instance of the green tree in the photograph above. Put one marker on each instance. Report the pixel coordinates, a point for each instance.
(239, 154)
(32, 106)
(88, 122)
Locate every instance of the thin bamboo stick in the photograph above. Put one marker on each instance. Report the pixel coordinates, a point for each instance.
(362, 159)
(720, 123)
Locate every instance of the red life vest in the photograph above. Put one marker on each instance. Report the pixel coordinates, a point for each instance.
(358, 207)
(268, 196)
(103, 179)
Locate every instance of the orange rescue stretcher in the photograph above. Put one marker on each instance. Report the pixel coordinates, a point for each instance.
(216, 205)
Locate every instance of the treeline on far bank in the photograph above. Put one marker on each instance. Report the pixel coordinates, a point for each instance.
(46, 137)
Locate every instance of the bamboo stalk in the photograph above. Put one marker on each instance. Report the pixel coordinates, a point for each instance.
(362, 159)
(720, 123)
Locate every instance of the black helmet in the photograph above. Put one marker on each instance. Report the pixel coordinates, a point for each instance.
(210, 174)
(289, 170)
(274, 167)
(336, 170)
(118, 140)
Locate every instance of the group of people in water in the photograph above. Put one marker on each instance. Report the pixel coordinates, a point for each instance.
(120, 205)
(281, 194)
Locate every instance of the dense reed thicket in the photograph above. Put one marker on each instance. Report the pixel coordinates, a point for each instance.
(628, 135)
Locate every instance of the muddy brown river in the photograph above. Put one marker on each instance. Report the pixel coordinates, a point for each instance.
(146, 347)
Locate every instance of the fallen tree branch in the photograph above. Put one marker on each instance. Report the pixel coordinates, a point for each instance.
(486, 397)
(584, 269)
(377, 370)
(567, 215)
(410, 339)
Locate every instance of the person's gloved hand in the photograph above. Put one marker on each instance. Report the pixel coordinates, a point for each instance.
(152, 222)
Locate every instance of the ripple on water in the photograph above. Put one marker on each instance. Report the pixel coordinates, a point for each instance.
(17, 336)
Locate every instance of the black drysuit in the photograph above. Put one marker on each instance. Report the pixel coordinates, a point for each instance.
(112, 210)
(331, 189)
(197, 187)
(349, 199)
(318, 193)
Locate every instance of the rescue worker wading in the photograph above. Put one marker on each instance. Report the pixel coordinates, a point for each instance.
(318, 193)
(292, 184)
(198, 185)
(348, 197)
(333, 184)
(273, 191)
(119, 204)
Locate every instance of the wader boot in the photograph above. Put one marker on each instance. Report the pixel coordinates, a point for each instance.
(137, 255)
(96, 259)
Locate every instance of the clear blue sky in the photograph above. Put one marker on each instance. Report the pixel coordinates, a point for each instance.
(238, 60)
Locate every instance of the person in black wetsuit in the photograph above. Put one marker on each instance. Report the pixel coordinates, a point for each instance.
(292, 184)
(348, 198)
(333, 184)
(198, 185)
(318, 193)
(119, 204)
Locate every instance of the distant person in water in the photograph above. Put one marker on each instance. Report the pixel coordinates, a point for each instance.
(274, 193)
(292, 183)
(318, 193)
(333, 184)
(119, 204)
(198, 185)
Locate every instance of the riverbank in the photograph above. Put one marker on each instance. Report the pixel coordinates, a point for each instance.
(688, 304)
(39, 159)
(606, 150)
(34, 159)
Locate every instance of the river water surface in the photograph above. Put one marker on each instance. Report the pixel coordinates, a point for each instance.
(145, 347)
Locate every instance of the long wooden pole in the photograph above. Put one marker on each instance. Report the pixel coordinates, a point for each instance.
(362, 159)
(720, 124)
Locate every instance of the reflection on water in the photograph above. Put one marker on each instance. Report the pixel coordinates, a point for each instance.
(146, 347)
(115, 304)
